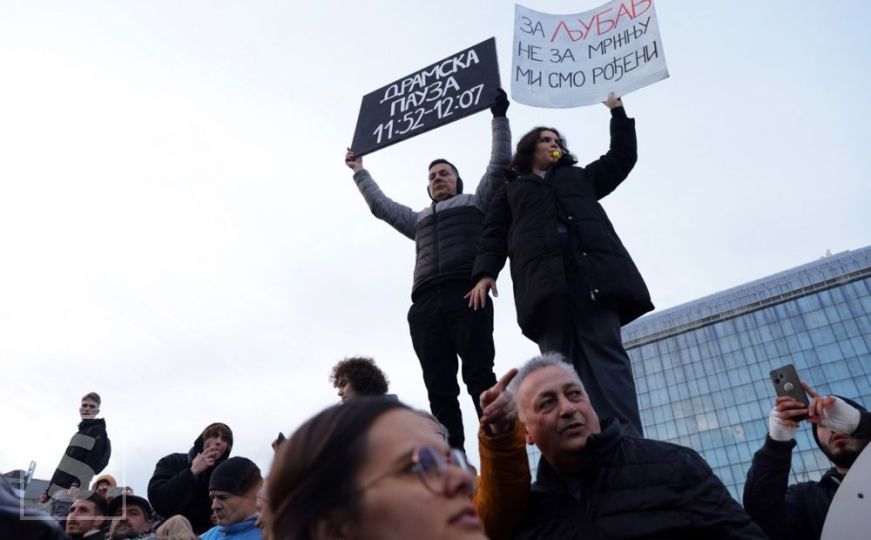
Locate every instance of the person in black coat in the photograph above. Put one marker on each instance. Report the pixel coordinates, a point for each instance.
(180, 483)
(592, 482)
(575, 284)
(86, 456)
(841, 428)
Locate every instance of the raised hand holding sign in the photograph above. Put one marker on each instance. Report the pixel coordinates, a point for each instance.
(452, 88)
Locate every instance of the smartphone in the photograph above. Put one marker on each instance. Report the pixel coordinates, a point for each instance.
(787, 383)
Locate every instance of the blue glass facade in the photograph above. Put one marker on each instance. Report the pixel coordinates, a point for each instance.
(701, 369)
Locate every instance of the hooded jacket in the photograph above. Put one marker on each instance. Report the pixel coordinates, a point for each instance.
(175, 489)
(90, 446)
(634, 488)
(796, 512)
(523, 221)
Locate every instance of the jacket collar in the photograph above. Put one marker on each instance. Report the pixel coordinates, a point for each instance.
(91, 422)
(833, 477)
(597, 449)
(243, 526)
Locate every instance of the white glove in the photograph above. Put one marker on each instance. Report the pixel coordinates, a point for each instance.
(841, 417)
(779, 429)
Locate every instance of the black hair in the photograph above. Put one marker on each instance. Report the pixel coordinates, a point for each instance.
(525, 154)
(365, 377)
(101, 507)
(456, 173)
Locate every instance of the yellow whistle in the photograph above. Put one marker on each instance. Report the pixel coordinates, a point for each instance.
(556, 154)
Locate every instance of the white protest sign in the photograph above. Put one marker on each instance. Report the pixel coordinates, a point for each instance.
(572, 60)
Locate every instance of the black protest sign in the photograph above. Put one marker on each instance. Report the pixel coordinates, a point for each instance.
(453, 88)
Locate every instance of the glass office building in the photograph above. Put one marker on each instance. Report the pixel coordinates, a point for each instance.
(701, 369)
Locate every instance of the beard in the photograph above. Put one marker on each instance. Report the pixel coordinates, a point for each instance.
(847, 455)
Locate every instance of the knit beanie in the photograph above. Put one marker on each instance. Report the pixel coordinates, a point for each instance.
(236, 476)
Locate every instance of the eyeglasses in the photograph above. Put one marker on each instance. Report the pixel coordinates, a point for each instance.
(430, 465)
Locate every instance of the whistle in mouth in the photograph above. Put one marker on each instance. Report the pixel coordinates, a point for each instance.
(556, 154)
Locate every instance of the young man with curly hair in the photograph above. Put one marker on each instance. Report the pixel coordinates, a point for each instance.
(358, 376)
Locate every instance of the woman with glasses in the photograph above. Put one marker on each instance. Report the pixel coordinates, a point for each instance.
(371, 469)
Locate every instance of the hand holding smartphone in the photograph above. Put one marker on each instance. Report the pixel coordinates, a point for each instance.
(787, 384)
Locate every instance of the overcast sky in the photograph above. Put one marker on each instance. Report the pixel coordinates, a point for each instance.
(179, 232)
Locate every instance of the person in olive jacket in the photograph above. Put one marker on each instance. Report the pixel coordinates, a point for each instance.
(575, 284)
(180, 483)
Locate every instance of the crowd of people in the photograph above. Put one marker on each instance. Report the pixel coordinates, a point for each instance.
(371, 467)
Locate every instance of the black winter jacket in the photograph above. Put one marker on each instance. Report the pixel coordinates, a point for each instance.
(91, 447)
(174, 489)
(796, 512)
(522, 224)
(634, 488)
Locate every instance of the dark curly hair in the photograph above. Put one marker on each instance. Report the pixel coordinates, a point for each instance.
(365, 377)
(525, 154)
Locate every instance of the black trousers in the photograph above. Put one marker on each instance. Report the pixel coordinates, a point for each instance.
(442, 328)
(588, 335)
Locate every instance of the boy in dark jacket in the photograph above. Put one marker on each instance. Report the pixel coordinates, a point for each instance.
(842, 429)
(86, 456)
(180, 483)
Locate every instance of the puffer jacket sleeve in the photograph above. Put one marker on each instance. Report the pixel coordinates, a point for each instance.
(101, 453)
(400, 217)
(712, 506)
(500, 154)
(502, 497)
(610, 170)
(493, 249)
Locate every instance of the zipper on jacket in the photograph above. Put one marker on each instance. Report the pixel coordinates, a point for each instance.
(435, 240)
(571, 230)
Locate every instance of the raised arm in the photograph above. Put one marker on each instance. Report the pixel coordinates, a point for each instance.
(767, 497)
(502, 498)
(610, 170)
(500, 153)
(399, 216)
(838, 415)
